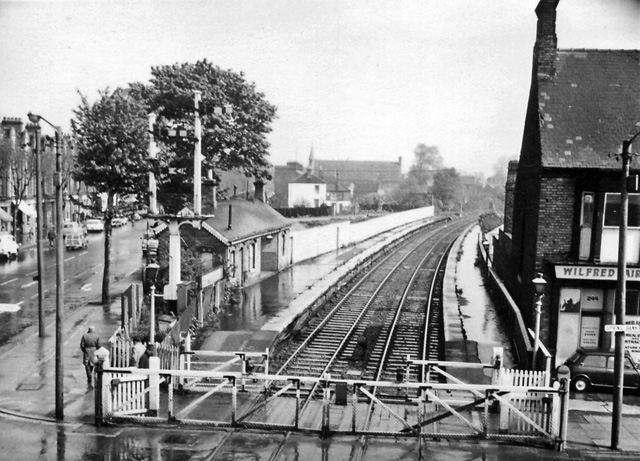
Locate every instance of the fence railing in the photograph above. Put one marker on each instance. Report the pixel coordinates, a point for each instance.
(528, 413)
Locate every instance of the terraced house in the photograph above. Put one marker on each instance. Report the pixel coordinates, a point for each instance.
(563, 208)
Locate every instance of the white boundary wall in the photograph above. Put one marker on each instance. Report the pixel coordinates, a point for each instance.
(309, 243)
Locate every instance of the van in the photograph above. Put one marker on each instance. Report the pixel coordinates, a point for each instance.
(76, 240)
(70, 227)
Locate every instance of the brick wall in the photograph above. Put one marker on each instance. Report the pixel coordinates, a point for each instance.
(509, 190)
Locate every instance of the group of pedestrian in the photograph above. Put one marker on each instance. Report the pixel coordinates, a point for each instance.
(92, 352)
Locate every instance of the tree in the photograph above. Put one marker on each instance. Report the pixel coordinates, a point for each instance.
(111, 139)
(230, 142)
(426, 158)
(446, 187)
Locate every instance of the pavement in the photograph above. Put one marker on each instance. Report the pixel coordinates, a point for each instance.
(28, 362)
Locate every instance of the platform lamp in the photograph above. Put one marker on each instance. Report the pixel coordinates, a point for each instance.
(540, 284)
(33, 118)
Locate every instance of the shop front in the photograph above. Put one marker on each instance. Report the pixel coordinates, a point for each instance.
(585, 304)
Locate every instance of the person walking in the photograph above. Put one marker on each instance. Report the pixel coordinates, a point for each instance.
(143, 361)
(89, 343)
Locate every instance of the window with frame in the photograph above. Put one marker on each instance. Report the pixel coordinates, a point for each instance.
(632, 302)
(612, 210)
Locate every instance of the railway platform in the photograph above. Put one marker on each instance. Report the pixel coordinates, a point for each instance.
(27, 364)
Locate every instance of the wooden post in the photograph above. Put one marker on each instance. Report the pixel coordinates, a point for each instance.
(154, 386)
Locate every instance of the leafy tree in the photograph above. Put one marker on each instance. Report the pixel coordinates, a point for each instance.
(426, 158)
(446, 187)
(412, 193)
(111, 140)
(236, 141)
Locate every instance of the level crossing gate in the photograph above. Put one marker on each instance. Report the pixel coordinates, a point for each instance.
(517, 406)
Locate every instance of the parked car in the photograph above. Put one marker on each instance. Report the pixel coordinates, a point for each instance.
(95, 225)
(118, 221)
(9, 248)
(150, 242)
(595, 368)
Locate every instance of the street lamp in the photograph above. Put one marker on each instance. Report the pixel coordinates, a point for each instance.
(33, 118)
(539, 284)
(151, 275)
(621, 294)
(41, 331)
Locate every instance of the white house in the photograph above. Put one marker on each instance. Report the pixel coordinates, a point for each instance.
(307, 190)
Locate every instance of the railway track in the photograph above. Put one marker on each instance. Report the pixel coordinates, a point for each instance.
(389, 312)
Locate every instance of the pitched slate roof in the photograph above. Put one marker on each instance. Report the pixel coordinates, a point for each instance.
(308, 179)
(248, 219)
(589, 107)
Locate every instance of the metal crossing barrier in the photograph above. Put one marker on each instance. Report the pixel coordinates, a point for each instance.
(531, 413)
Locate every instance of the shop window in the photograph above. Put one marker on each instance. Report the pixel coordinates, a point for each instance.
(632, 302)
(592, 299)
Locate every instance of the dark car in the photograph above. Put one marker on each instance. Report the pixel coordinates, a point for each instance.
(595, 368)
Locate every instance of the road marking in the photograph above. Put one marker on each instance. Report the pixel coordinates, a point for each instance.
(32, 273)
(28, 284)
(20, 303)
(7, 282)
(33, 296)
(86, 287)
(69, 259)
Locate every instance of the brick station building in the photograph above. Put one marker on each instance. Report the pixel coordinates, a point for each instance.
(563, 195)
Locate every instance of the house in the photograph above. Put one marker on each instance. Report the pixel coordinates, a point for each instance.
(247, 238)
(339, 196)
(282, 176)
(562, 209)
(307, 190)
(366, 176)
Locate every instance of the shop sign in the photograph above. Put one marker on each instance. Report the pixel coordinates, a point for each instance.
(594, 273)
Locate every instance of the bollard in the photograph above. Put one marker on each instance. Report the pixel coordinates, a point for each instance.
(564, 377)
(99, 410)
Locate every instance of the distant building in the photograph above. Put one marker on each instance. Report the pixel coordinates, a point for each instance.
(282, 176)
(18, 184)
(339, 196)
(562, 207)
(365, 176)
(307, 190)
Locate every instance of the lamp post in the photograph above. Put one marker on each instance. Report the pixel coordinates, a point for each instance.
(39, 231)
(539, 284)
(59, 383)
(621, 294)
(151, 275)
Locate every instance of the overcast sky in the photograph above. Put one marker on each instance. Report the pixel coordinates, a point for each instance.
(357, 79)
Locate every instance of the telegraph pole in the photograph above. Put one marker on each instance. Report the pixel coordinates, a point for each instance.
(621, 294)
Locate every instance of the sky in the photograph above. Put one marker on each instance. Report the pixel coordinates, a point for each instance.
(354, 79)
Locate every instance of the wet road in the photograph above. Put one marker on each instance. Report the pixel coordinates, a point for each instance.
(83, 276)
